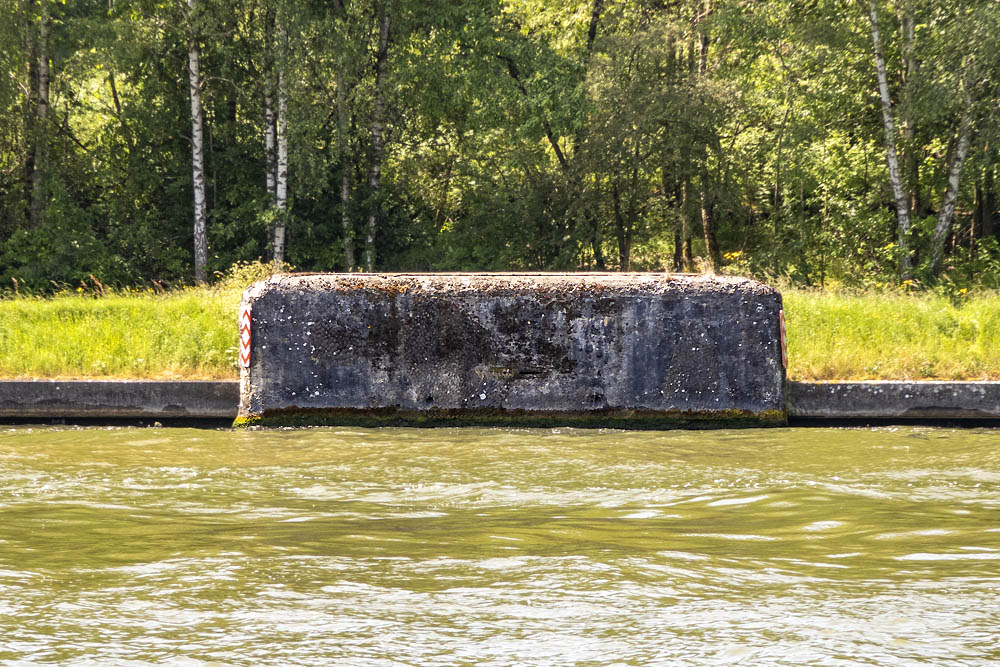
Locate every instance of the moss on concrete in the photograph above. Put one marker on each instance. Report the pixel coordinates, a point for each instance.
(624, 419)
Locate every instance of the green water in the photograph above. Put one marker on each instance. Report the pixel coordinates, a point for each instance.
(499, 547)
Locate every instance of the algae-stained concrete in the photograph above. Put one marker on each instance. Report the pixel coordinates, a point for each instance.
(117, 399)
(894, 399)
(642, 350)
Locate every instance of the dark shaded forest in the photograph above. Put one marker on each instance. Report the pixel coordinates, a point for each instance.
(850, 142)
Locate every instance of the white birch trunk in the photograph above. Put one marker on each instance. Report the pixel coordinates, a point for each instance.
(378, 110)
(281, 177)
(908, 25)
(895, 180)
(707, 215)
(38, 195)
(270, 142)
(345, 178)
(947, 212)
(197, 158)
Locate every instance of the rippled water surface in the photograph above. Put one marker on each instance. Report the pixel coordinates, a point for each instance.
(499, 547)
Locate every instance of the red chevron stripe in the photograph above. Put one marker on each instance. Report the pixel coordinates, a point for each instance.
(245, 337)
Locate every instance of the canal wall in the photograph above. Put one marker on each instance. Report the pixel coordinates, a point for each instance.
(117, 399)
(819, 402)
(630, 350)
(894, 400)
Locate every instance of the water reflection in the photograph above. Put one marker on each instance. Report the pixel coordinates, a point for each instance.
(400, 546)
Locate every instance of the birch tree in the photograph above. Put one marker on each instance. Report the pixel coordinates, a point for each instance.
(947, 211)
(892, 157)
(281, 175)
(378, 120)
(197, 149)
(14, 93)
(41, 92)
(945, 93)
(707, 209)
(270, 128)
(343, 152)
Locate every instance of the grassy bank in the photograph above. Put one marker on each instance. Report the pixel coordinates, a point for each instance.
(183, 334)
(892, 335)
(191, 334)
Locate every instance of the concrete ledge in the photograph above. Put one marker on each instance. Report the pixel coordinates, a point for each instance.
(894, 400)
(153, 399)
(117, 399)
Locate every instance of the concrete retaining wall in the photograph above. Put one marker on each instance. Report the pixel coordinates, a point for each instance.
(894, 400)
(611, 349)
(117, 399)
(187, 400)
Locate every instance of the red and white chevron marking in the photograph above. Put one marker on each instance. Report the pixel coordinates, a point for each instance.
(784, 340)
(245, 337)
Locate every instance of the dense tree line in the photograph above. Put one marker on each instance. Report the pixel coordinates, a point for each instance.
(845, 140)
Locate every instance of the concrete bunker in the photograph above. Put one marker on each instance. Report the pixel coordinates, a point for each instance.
(615, 350)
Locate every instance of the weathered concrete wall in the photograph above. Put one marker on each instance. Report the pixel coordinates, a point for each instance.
(193, 400)
(611, 349)
(117, 399)
(894, 400)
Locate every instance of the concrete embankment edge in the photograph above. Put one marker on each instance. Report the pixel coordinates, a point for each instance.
(118, 399)
(894, 400)
(214, 400)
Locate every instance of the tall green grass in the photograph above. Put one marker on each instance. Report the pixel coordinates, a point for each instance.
(184, 334)
(892, 336)
(191, 334)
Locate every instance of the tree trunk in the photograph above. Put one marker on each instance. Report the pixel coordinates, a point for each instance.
(38, 191)
(678, 206)
(911, 165)
(978, 209)
(895, 181)
(776, 201)
(687, 223)
(126, 130)
(270, 144)
(378, 110)
(270, 131)
(678, 264)
(707, 218)
(595, 19)
(597, 245)
(345, 174)
(632, 217)
(708, 224)
(777, 209)
(591, 220)
(989, 200)
(947, 212)
(281, 176)
(703, 40)
(29, 39)
(622, 230)
(197, 157)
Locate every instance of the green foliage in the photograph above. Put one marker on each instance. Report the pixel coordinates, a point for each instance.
(241, 275)
(520, 135)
